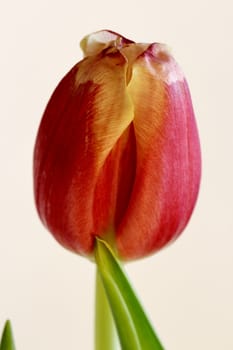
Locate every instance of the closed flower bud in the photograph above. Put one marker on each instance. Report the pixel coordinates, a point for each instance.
(117, 153)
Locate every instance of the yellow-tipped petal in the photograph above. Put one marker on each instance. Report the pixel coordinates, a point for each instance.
(94, 43)
(112, 106)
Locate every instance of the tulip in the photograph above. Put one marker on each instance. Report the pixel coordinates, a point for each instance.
(117, 153)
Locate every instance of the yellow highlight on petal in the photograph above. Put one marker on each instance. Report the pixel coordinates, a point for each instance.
(112, 108)
(96, 42)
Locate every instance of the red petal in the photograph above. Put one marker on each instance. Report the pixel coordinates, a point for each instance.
(168, 159)
(87, 114)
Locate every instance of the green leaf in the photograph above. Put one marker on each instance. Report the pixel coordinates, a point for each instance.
(7, 341)
(134, 329)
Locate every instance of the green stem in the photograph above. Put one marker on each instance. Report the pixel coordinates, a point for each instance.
(134, 329)
(105, 332)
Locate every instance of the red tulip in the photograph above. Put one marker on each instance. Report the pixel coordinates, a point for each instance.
(117, 153)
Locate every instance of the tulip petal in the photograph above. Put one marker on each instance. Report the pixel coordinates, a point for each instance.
(98, 41)
(87, 114)
(168, 157)
(115, 183)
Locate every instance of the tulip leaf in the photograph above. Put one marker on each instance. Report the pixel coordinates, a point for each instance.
(7, 341)
(134, 329)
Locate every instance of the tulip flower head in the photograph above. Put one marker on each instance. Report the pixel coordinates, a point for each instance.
(117, 153)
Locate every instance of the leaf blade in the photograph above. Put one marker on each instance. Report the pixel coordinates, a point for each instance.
(134, 329)
(7, 340)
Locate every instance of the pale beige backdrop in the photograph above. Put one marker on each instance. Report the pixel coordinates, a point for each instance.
(187, 289)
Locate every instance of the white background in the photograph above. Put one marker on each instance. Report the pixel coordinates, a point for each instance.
(187, 289)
